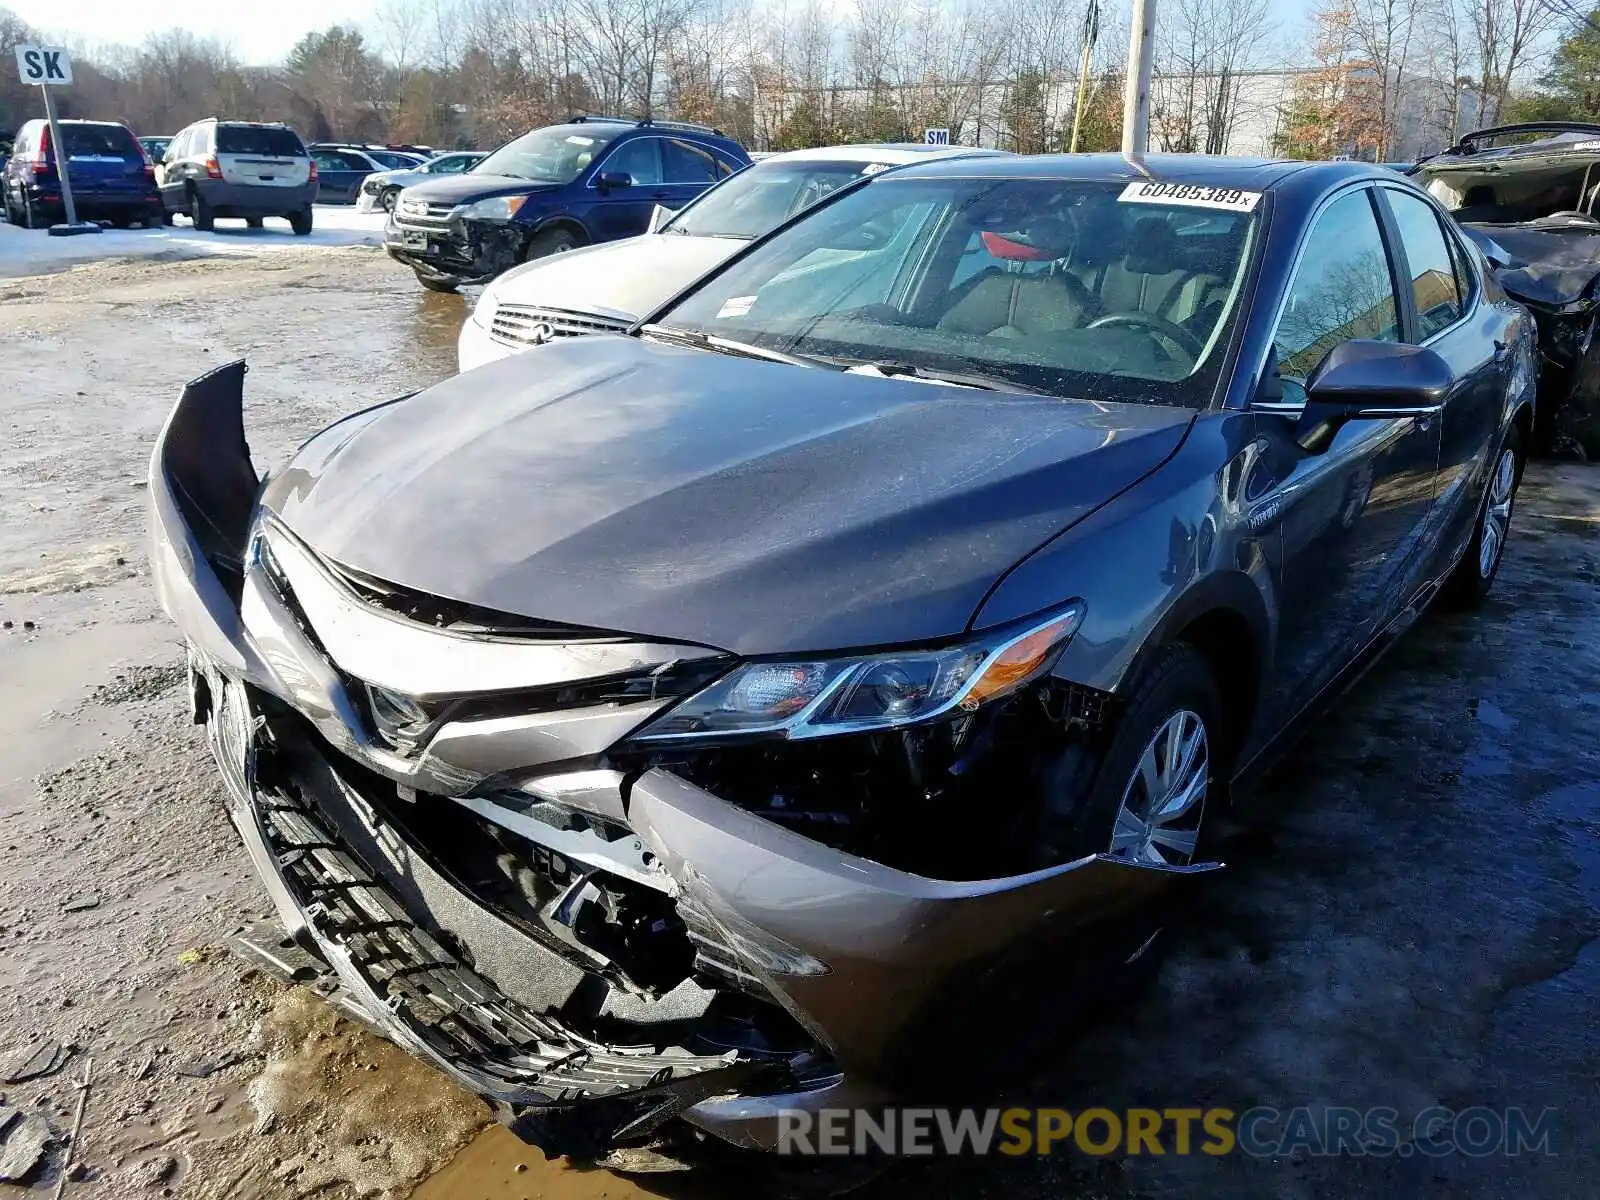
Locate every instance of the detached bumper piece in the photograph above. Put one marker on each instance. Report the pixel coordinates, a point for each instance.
(556, 1088)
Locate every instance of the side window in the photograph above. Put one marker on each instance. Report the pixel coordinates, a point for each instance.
(726, 166)
(640, 158)
(1342, 288)
(1435, 286)
(684, 162)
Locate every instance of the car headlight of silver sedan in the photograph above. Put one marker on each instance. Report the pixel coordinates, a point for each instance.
(818, 697)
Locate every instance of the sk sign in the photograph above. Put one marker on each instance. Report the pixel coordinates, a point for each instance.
(43, 64)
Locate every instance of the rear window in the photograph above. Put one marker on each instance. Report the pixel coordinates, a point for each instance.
(255, 139)
(100, 141)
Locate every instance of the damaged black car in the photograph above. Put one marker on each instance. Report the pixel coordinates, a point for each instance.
(1529, 196)
(804, 700)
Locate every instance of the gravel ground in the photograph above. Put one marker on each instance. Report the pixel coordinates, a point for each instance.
(1410, 918)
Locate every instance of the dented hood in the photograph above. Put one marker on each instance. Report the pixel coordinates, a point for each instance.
(753, 506)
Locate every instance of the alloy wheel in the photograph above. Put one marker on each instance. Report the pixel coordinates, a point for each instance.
(1497, 512)
(1159, 819)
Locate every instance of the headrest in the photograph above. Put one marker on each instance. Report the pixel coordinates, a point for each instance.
(1044, 239)
(1152, 248)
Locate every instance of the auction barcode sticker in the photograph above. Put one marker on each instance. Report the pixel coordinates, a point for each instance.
(1193, 195)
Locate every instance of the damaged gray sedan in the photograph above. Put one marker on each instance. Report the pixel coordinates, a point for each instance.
(807, 699)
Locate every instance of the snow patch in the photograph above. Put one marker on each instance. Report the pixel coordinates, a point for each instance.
(34, 252)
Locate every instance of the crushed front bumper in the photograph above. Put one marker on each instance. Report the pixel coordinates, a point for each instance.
(468, 252)
(893, 983)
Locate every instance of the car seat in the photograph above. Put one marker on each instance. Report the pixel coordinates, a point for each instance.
(1008, 300)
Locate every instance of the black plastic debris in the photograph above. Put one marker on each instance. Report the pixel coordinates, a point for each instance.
(34, 1061)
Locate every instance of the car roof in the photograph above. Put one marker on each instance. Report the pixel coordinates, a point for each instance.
(883, 152)
(1250, 174)
(1575, 137)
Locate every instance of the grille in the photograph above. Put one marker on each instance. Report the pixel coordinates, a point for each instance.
(422, 214)
(526, 325)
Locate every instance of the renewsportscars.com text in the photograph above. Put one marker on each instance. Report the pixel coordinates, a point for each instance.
(1260, 1131)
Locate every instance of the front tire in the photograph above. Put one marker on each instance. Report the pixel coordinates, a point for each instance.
(1469, 584)
(389, 198)
(551, 241)
(1147, 799)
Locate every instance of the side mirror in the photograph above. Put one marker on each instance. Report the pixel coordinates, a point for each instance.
(1364, 380)
(614, 179)
(659, 216)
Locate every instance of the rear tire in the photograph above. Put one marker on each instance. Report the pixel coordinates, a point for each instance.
(300, 222)
(30, 217)
(434, 284)
(200, 213)
(157, 220)
(253, 222)
(1469, 584)
(551, 241)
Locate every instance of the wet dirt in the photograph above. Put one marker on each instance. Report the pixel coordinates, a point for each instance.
(1410, 916)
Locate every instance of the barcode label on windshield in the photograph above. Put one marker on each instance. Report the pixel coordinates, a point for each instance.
(1192, 195)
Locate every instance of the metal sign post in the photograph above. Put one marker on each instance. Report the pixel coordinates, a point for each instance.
(50, 67)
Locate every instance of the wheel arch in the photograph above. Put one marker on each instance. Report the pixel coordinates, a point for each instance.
(561, 221)
(1223, 617)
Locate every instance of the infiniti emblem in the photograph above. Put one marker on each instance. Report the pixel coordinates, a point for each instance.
(541, 333)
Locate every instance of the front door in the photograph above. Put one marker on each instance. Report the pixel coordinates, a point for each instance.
(621, 212)
(1353, 517)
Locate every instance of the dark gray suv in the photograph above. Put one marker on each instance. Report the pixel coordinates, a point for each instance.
(238, 169)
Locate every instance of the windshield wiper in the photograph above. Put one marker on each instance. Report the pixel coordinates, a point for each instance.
(722, 345)
(972, 379)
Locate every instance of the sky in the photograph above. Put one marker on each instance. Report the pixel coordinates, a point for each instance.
(260, 31)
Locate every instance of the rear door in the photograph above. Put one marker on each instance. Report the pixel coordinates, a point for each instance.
(170, 170)
(1473, 339)
(686, 171)
(105, 163)
(262, 157)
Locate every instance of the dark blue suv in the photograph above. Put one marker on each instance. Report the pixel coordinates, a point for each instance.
(593, 179)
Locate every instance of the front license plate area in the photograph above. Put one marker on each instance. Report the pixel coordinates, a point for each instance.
(414, 239)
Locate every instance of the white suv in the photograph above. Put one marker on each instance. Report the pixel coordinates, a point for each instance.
(239, 169)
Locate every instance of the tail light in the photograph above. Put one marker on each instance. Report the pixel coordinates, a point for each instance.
(313, 176)
(41, 156)
(213, 168)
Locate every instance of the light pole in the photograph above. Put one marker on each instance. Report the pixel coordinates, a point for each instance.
(1136, 93)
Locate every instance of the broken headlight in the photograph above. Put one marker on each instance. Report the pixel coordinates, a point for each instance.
(816, 697)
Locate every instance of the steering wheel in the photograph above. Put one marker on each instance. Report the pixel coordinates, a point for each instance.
(1159, 326)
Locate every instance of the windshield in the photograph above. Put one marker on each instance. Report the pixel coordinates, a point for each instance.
(555, 155)
(762, 197)
(1108, 291)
